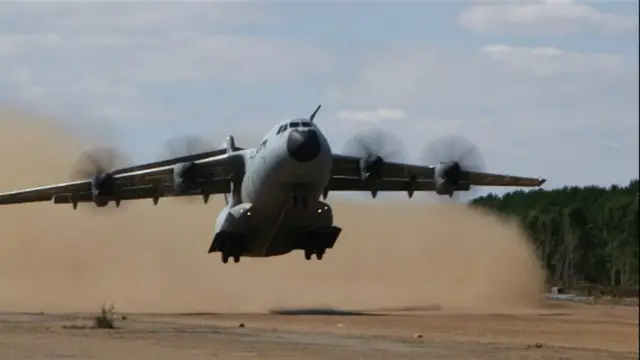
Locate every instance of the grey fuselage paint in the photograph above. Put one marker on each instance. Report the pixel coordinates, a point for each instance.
(260, 206)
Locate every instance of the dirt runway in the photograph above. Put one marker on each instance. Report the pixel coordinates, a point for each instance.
(564, 331)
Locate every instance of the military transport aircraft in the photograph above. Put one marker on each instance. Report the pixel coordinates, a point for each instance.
(273, 191)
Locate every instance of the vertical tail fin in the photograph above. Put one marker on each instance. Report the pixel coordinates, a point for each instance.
(230, 144)
(315, 112)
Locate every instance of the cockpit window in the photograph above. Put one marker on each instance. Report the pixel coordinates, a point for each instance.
(306, 124)
(294, 124)
(281, 129)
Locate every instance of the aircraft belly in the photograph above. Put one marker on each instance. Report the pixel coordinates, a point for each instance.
(289, 234)
(285, 236)
(268, 204)
(278, 228)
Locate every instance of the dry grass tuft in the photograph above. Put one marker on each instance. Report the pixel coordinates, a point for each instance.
(106, 319)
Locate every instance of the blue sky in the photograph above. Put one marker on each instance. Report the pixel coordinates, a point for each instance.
(544, 88)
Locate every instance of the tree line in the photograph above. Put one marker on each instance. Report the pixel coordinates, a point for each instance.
(583, 235)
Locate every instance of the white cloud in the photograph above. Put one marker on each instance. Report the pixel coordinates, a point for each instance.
(97, 59)
(180, 56)
(372, 116)
(551, 17)
(541, 111)
(548, 61)
(128, 16)
(406, 75)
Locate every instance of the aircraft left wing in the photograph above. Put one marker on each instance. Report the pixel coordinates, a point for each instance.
(351, 173)
(213, 176)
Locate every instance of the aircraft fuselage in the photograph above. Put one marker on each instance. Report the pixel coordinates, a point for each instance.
(276, 208)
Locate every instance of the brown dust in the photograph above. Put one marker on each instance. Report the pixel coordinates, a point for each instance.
(154, 259)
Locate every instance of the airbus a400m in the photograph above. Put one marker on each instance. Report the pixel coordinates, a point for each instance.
(274, 192)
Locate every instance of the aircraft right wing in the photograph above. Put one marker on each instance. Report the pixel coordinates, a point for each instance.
(349, 175)
(207, 176)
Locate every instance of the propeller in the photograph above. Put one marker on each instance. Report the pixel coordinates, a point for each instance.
(97, 160)
(97, 164)
(375, 147)
(376, 143)
(458, 150)
(187, 145)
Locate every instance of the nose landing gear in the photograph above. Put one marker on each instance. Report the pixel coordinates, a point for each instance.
(298, 200)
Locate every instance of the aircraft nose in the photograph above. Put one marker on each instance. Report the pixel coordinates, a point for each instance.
(303, 146)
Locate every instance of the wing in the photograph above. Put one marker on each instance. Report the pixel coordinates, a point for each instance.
(173, 161)
(147, 181)
(346, 176)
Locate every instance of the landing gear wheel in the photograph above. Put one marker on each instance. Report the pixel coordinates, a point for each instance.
(307, 254)
(236, 259)
(319, 254)
(225, 257)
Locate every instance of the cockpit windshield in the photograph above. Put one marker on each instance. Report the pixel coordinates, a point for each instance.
(300, 122)
(294, 124)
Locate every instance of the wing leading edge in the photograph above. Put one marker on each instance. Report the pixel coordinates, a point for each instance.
(146, 181)
(346, 176)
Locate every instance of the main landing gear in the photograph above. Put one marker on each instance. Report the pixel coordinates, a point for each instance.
(318, 241)
(309, 253)
(225, 257)
(229, 245)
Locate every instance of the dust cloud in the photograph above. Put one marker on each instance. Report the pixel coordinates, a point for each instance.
(153, 259)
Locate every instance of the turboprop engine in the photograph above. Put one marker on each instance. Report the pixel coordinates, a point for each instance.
(374, 148)
(99, 164)
(185, 176)
(102, 188)
(455, 159)
(447, 178)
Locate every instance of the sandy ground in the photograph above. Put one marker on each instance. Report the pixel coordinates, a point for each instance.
(564, 331)
(148, 259)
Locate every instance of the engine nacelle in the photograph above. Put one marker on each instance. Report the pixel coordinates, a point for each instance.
(371, 167)
(102, 188)
(234, 219)
(447, 178)
(442, 188)
(185, 177)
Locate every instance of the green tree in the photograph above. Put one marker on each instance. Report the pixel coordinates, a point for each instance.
(582, 234)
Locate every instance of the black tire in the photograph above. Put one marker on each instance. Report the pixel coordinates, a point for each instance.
(319, 254)
(225, 257)
(308, 254)
(236, 259)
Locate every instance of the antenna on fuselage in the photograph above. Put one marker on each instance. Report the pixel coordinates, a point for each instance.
(314, 113)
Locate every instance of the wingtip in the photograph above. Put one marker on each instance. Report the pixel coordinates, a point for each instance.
(541, 181)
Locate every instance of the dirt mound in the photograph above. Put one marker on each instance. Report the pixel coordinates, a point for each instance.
(154, 259)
